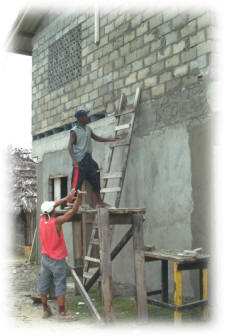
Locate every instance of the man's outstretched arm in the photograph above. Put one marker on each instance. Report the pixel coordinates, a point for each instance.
(101, 139)
(69, 214)
(65, 199)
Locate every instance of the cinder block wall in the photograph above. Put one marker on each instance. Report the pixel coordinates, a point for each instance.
(160, 52)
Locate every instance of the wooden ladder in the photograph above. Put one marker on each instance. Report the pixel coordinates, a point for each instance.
(110, 174)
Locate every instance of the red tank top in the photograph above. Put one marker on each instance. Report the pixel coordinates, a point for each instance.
(52, 244)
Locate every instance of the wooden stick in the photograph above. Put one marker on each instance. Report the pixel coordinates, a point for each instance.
(84, 294)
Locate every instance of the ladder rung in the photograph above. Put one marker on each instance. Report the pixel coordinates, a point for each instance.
(112, 189)
(87, 275)
(112, 175)
(125, 112)
(95, 241)
(119, 143)
(121, 127)
(92, 259)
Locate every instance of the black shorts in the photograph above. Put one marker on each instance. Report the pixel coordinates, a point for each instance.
(87, 170)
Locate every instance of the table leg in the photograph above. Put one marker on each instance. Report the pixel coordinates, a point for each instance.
(204, 290)
(164, 280)
(177, 292)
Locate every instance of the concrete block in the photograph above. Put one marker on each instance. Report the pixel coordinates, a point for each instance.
(181, 70)
(150, 59)
(119, 63)
(189, 29)
(118, 84)
(197, 39)
(93, 94)
(164, 53)
(204, 20)
(125, 50)
(204, 48)
(178, 47)
(114, 55)
(142, 52)
(136, 21)
(84, 80)
(108, 28)
(131, 57)
(166, 76)
(189, 55)
(129, 36)
(157, 67)
(136, 44)
(158, 90)
(172, 61)
(143, 28)
(171, 37)
(163, 29)
(155, 45)
(143, 73)
(179, 21)
(93, 75)
(125, 71)
(148, 37)
(119, 20)
(155, 21)
(137, 65)
(131, 78)
(173, 84)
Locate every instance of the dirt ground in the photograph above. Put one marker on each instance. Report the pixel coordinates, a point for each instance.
(23, 285)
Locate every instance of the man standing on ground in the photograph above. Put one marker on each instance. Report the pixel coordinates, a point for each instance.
(80, 150)
(54, 252)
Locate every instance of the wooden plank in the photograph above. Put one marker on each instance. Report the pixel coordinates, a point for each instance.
(122, 127)
(111, 189)
(87, 275)
(124, 211)
(114, 253)
(119, 143)
(112, 175)
(84, 294)
(77, 244)
(95, 241)
(139, 262)
(92, 259)
(120, 219)
(86, 262)
(137, 97)
(130, 110)
(121, 103)
(105, 265)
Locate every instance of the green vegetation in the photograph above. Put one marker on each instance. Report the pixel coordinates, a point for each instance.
(125, 310)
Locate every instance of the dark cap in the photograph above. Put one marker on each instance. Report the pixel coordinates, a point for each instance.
(81, 113)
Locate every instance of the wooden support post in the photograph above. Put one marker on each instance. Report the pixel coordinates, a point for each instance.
(139, 262)
(164, 280)
(105, 263)
(205, 291)
(77, 246)
(177, 292)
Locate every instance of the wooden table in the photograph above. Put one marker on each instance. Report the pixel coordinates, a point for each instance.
(180, 263)
(105, 218)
